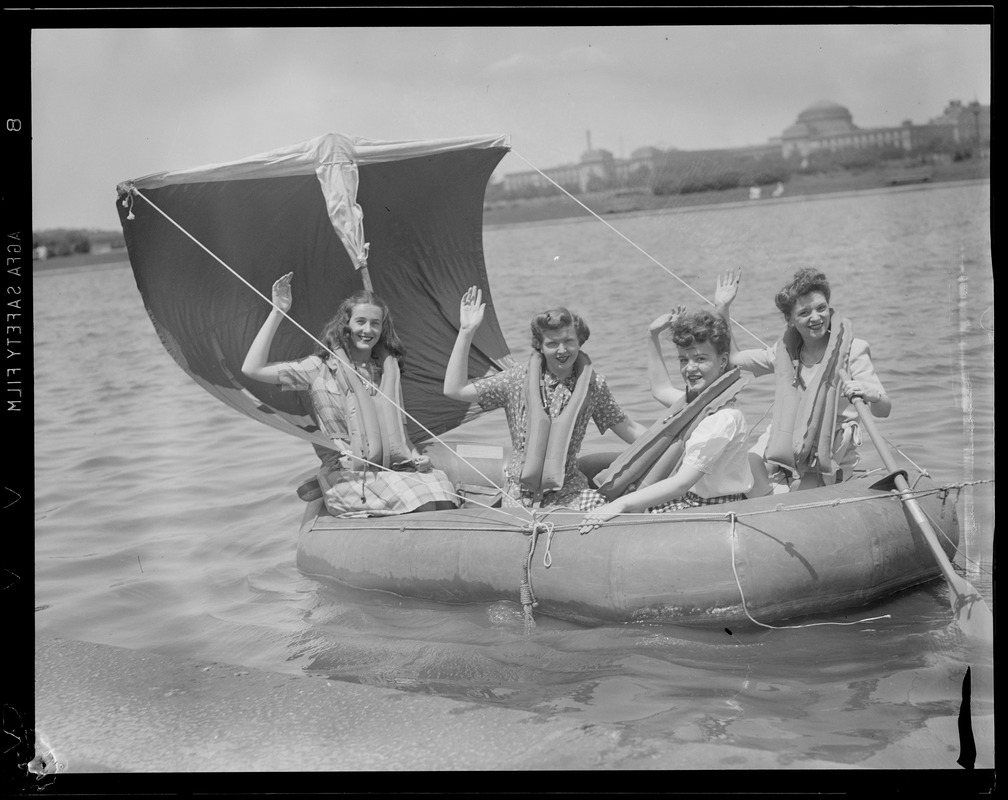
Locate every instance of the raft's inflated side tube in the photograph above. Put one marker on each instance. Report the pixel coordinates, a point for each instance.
(802, 432)
(787, 556)
(374, 424)
(546, 439)
(656, 453)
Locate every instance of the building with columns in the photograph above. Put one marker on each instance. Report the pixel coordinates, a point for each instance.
(595, 166)
(823, 126)
(829, 126)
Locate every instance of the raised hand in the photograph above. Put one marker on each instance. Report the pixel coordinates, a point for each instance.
(665, 320)
(282, 298)
(471, 309)
(727, 287)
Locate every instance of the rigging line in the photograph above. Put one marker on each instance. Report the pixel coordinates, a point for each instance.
(632, 243)
(917, 466)
(757, 423)
(133, 190)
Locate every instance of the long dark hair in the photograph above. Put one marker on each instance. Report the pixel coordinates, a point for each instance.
(336, 333)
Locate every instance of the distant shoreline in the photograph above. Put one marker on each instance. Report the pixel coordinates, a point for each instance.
(800, 186)
(562, 208)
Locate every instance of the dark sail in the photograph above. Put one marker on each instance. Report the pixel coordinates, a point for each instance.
(422, 219)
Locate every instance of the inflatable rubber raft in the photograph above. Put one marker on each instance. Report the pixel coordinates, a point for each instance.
(817, 552)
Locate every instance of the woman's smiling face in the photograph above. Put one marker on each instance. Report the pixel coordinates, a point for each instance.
(700, 365)
(365, 328)
(560, 348)
(811, 317)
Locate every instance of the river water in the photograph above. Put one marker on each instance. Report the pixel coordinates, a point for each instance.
(164, 521)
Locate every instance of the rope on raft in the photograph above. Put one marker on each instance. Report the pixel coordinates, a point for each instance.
(643, 517)
(525, 592)
(130, 191)
(733, 517)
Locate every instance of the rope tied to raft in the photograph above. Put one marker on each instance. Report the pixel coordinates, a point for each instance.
(527, 597)
(733, 519)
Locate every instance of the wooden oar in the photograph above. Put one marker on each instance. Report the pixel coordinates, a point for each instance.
(969, 610)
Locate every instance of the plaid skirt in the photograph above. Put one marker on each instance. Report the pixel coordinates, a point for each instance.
(581, 500)
(690, 500)
(585, 500)
(379, 493)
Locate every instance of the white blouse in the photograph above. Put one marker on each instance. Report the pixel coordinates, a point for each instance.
(717, 447)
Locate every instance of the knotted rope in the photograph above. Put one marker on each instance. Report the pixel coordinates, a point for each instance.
(525, 593)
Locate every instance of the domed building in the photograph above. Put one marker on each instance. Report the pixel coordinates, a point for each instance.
(826, 125)
(822, 126)
(822, 119)
(827, 118)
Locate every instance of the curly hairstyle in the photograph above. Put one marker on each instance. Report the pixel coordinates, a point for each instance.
(805, 281)
(336, 332)
(701, 326)
(553, 320)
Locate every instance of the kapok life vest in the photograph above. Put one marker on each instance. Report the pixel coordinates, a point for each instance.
(801, 435)
(374, 423)
(546, 439)
(658, 452)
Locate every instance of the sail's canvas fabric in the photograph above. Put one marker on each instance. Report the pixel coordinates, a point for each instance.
(334, 158)
(411, 211)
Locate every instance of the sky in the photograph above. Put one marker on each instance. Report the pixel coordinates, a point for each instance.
(114, 104)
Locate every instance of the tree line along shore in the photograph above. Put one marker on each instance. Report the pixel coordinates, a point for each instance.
(619, 201)
(87, 247)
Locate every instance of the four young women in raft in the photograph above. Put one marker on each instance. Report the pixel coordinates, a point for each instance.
(549, 400)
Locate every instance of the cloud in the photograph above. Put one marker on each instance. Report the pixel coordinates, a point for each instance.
(517, 63)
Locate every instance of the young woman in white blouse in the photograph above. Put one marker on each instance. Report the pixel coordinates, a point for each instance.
(714, 467)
